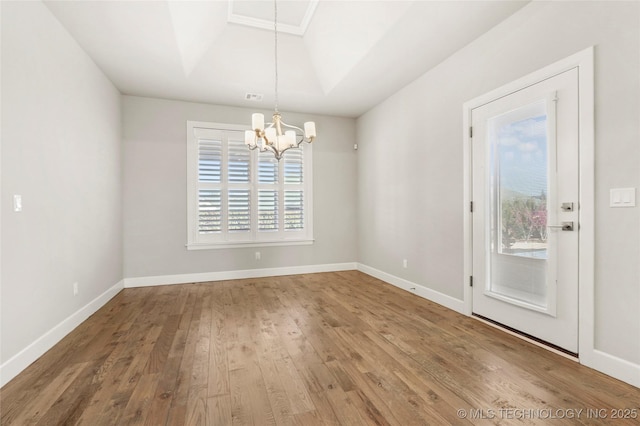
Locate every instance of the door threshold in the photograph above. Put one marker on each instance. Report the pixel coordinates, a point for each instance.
(527, 337)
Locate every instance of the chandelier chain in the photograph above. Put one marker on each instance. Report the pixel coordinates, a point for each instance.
(275, 30)
(278, 136)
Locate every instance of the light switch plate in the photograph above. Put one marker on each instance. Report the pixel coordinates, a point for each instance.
(17, 203)
(622, 197)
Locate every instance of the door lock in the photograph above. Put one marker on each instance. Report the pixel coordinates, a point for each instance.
(566, 226)
(567, 207)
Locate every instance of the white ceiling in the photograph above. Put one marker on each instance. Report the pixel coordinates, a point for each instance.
(352, 55)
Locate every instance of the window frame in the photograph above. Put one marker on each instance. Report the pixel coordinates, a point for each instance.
(254, 237)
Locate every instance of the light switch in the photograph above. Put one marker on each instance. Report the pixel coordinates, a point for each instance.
(622, 197)
(17, 203)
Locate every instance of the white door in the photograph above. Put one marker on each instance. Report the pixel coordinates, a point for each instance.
(525, 192)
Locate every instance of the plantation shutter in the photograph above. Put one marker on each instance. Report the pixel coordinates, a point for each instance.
(209, 172)
(210, 160)
(293, 166)
(209, 211)
(294, 192)
(239, 162)
(239, 192)
(268, 210)
(239, 216)
(267, 168)
(240, 196)
(268, 194)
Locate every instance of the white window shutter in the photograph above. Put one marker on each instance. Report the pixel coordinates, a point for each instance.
(239, 192)
(293, 210)
(239, 162)
(239, 210)
(209, 160)
(294, 193)
(242, 197)
(267, 168)
(209, 172)
(209, 211)
(268, 219)
(294, 166)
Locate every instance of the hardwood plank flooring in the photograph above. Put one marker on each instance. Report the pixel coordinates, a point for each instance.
(337, 348)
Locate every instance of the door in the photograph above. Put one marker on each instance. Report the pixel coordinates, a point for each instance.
(525, 227)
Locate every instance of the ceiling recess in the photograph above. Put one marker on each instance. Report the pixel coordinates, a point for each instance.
(293, 16)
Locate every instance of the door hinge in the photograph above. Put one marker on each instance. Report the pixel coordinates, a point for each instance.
(471, 281)
(471, 206)
(471, 132)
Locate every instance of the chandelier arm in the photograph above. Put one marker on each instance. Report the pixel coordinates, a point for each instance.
(300, 135)
(291, 126)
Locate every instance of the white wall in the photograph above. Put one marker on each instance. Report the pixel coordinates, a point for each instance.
(155, 192)
(61, 151)
(410, 195)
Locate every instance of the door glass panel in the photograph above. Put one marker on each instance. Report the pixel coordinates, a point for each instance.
(519, 183)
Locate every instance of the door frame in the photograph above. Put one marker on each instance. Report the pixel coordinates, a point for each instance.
(584, 62)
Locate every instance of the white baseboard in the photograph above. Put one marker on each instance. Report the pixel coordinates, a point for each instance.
(236, 275)
(424, 292)
(14, 365)
(612, 366)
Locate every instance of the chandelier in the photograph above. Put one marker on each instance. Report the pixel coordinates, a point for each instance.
(278, 136)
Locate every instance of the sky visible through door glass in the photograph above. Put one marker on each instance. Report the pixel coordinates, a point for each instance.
(523, 156)
(520, 172)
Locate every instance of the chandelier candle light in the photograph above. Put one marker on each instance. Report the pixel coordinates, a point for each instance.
(278, 136)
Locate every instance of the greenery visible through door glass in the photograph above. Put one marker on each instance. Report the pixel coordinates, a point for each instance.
(519, 171)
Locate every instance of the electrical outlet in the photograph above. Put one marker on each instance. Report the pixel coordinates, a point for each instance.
(75, 289)
(257, 255)
(404, 263)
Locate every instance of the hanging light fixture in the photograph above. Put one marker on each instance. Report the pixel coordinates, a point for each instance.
(277, 136)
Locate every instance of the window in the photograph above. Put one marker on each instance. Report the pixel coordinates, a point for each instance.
(520, 141)
(241, 197)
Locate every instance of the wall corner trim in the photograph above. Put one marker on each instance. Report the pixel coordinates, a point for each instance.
(14, 365)
(417, 289)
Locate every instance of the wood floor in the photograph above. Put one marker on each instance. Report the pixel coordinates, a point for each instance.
(335, 349)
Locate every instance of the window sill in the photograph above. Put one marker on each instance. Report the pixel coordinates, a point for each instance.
(228, 245)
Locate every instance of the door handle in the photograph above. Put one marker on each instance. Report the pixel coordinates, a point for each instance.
(566, 226)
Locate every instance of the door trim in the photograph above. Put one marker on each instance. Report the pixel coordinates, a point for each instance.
(584, 62)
